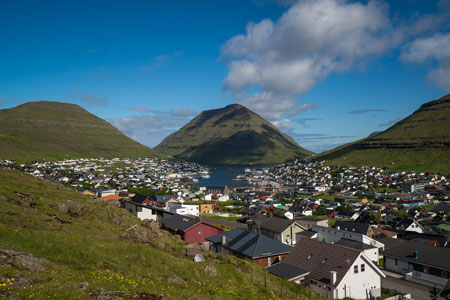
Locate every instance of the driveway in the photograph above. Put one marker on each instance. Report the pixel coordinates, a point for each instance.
(417, 291)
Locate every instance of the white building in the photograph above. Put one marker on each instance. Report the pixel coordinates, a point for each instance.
(331, 270)
(184, 209)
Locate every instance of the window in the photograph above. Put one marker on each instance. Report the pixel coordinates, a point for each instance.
(309, 256)
(324, 260)
(269, 260)
(200, 232)
(363, 267)
(355, 269)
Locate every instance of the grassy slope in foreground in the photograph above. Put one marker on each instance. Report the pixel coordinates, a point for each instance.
(231, 135)
(420, 142)
(89, 249)
(54, 130)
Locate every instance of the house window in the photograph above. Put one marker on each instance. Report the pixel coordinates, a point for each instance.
(280, 258)
(199, 232)
(269, 260)
(363, 267)
(355, 269)
(309, 256)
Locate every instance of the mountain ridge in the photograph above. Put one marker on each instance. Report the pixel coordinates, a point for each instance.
(420, 141)
(56, 130)
(231, 135)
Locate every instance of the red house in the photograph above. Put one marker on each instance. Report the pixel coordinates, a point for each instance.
(191, 230)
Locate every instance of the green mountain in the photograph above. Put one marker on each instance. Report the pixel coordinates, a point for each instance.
(420, 142)
(58, 244)
(231, 135)
(54, 130)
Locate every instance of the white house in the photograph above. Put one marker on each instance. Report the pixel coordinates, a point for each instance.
(332, 235)
(331, 270)
(184, 209)
(143, 212)
(371, 247)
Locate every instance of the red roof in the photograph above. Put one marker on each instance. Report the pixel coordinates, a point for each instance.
(387, 233)
(109, 197)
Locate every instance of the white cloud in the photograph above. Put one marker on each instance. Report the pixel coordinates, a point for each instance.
(311, 40)
(432, 49)
(284, 124)
(150, 129)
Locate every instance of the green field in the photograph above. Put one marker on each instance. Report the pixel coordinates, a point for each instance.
(231, 135)
(54, 130)
(97, 249)
(420, 143)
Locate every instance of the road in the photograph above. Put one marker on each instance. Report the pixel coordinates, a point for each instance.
(417, 291)
(228, 223)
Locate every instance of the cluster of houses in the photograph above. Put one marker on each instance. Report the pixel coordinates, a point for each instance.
(348, 259)
(118, 174)
(338, 230)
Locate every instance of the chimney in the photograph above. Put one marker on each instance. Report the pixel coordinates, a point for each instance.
(224, 240)
(333, 276)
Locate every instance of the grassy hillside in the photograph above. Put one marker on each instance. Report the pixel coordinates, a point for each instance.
(420, 142)
(53, 130)
(231, 135)
(90, 254)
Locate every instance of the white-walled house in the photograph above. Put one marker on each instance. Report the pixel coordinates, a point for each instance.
(332, 235)
(143, 212)
(331, 270)
(184, 209)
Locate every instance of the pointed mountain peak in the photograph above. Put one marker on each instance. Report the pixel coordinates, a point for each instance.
(231, 135)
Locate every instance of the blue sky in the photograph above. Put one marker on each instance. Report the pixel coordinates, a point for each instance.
(325, 72)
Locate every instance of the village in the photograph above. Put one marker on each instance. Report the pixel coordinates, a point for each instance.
(362, 233)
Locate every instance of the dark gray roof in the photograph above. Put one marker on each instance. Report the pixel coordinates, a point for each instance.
(428, 255)
(442, 207)
(360, 228)
(354, 244)
(250, 244)
(307, 233)
(138, 198)
(286, 271)
(179, 222)
(274, 223)
(390, 242)
(321, 258)
(163, 198)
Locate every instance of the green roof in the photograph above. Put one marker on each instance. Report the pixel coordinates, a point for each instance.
(445, 227)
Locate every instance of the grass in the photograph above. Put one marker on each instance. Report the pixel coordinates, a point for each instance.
(54, 131)
(324, 196)
(93, 249)
(386, 190)
(417, 143)
(231, 135)
(223, 218)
